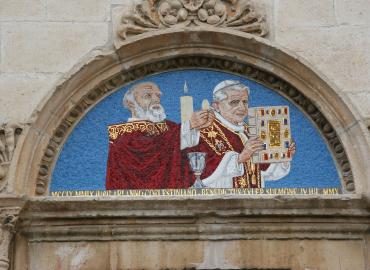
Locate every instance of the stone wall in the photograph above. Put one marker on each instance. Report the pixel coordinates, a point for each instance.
(43, 42)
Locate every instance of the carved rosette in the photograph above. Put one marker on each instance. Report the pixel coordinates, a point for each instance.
(9, 134)
(8, 218)
(152, 15)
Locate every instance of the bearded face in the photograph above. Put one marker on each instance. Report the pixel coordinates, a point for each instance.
(147, 103)
(154, 113)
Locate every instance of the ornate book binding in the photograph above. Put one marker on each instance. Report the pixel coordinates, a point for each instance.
(272, 125)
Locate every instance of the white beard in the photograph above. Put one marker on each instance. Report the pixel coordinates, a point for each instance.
(152, 114)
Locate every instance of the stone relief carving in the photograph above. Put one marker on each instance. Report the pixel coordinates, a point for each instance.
(242, 69)
(8, 218)
(151, 15)
(9, 134)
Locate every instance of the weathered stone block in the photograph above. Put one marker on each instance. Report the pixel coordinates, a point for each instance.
(23, 93)
(362, 101)
(13, 10)
(353, 12)
(342, 53)
(81, 256)
(305, 13)
(48, 47)
(250, 254)
(297, 254)
(77, 10)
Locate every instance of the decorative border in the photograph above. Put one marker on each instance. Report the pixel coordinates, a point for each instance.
(186, 62)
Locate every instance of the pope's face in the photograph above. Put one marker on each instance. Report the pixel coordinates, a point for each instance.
(148, 96)
(235, 107)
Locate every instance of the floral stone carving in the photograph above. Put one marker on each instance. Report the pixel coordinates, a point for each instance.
(9, 134)
(152, 15)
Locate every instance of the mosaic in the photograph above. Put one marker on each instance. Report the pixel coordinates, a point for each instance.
(195, 129)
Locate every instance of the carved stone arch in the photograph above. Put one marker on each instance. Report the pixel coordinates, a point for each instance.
(209, 48)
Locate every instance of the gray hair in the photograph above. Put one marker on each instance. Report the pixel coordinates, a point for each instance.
(129, 95)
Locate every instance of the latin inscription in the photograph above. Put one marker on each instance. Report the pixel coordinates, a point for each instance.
(197, 192)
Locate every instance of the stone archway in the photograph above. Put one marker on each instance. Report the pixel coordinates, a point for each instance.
(209, 48)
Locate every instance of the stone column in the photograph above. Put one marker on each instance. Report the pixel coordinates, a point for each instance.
(8, 218)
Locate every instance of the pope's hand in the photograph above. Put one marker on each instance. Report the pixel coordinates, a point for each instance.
(292, 148)
(252, 146)
(201, 119)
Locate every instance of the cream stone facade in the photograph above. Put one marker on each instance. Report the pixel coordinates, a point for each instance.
(60, 58)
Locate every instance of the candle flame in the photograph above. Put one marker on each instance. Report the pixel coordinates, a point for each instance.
(186, 90)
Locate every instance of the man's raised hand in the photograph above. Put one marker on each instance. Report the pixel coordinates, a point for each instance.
(252, 146)
(201, 119)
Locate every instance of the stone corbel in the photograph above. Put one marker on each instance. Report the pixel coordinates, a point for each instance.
(8, 218)
(9, 134)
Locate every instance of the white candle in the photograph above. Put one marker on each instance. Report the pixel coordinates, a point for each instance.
(186, 107)
(186, 103)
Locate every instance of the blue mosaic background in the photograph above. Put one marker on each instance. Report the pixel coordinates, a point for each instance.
(82, 162)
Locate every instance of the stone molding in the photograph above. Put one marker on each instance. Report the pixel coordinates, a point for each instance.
(153, 15)
(217, 49)
(9, 135)
(8, 218)
(195, 61)
(192, 218)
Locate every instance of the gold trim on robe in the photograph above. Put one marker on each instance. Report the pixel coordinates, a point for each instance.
(138, 126)
(216, 139)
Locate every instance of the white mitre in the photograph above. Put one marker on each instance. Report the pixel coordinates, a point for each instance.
(236, 85)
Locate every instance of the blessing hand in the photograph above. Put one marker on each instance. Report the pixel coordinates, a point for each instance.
(252, 146)
(201, 119)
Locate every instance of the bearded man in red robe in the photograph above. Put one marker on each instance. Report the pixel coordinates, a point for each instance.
(145, 152)
(229, 147)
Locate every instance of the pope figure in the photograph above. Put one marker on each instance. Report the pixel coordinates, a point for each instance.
(145, 152)
(229, 147)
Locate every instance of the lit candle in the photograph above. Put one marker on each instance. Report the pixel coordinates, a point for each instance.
(186, 103)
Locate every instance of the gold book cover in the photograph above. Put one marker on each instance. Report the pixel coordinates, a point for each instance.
(272, 125)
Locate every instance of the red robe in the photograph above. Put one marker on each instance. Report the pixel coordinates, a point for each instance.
(215, 141)
(146, 155)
